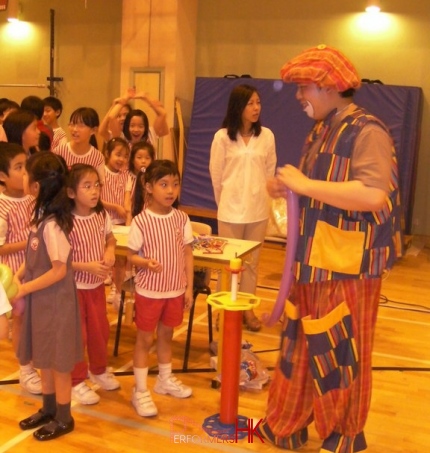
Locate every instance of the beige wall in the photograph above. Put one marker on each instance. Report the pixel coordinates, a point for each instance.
(87, 52)
(161, 34)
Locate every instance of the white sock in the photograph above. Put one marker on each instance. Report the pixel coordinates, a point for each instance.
(164, 370)
(26, 368)
(140, 377)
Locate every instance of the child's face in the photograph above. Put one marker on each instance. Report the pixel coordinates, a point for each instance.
(136, 129)
(141, 159)
(87, 193)
(163, 193)
(30, 187)
(122, 114)
(118, 158)
(80, 132)
(14, 181)
(50, 115)
(30, 137)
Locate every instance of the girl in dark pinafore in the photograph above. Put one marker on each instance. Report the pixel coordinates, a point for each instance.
(51, 332)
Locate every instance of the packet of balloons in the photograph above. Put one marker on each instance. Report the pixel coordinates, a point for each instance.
(253, 374)
(277, 224)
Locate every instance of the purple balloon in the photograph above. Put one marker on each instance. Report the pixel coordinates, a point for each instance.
(287, 276)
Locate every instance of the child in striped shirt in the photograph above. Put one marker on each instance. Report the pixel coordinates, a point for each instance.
(15, 213)
(93, 254)
(141, 156)
(51, 112)
(159, 246)
(82, 148)
(112, 196)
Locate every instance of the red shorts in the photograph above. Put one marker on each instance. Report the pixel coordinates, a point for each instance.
(149, 312)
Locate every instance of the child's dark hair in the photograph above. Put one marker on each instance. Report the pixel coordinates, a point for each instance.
(130, 115)
(16, 123)
(237, 102)
(89, 117)
(112, 144)
(157, 170)
(76, 173)
(137, 147)
(50, 171)
(54, 103)
(7, 104)
(8, 151)
(33, 104)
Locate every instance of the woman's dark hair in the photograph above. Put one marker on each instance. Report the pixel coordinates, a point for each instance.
(16, 123)
(89, 117)
(50, 171)
(157, 170)
(111, 144)
(126, 127)
(237, 102)
(137, 147)
(76, 173)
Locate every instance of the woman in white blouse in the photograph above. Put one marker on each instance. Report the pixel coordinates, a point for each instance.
(242, 158)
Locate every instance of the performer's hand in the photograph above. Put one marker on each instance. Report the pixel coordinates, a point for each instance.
(292, 178)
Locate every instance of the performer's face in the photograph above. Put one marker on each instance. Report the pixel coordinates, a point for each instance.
(313, 100)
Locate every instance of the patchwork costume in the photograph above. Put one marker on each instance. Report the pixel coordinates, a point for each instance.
(324, 370)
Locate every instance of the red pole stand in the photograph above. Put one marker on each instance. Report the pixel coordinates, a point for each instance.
(230, 374)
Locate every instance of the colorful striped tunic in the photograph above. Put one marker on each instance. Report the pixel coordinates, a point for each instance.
(336, 244)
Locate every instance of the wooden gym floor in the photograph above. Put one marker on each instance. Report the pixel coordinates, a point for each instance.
(398, 421)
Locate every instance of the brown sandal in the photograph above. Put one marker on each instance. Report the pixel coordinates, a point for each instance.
(251, 322)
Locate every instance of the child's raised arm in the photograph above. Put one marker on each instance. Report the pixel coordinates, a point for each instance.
(109, 126)
(160, 125)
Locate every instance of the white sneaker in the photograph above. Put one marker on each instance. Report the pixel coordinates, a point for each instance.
(30, 381)
(172, 386)
(83, 394)
(106, 380)
(143, 403)
(112, 294)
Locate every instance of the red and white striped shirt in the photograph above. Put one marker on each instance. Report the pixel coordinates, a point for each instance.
(113, 191)
(15, 215)
(161, 237)
(131, 183)
(92, 157)
(59, 137)
(88, 241)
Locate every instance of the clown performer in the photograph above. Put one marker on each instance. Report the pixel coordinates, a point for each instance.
(349, 234)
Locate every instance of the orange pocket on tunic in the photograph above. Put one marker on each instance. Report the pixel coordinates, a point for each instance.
(337, 250)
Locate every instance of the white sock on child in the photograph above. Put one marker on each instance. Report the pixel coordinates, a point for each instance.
(141, 377)
(164, 370)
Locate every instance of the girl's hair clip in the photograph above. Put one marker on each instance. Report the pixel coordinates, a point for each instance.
(143, 169)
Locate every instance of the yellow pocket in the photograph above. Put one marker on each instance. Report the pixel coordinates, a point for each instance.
(337, 250)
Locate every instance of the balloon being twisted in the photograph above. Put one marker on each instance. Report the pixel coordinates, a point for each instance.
(287, 276)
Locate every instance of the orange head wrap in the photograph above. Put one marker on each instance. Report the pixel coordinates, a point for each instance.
(324, 66)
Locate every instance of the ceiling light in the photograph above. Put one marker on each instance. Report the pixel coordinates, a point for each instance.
(373, 6)
(13, 11)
